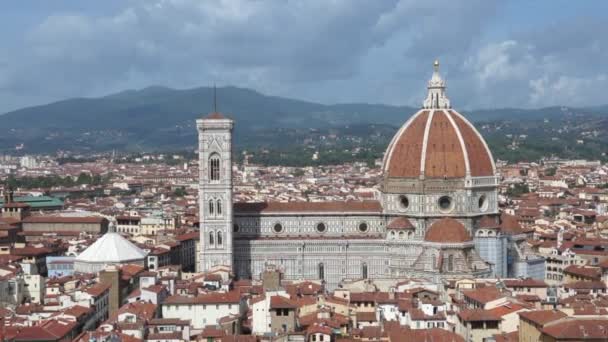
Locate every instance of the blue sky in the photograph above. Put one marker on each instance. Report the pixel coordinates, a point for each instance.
(520, 53)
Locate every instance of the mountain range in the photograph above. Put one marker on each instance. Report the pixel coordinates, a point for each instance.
(161, 118)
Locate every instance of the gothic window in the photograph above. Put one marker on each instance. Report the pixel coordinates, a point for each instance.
(211, 242)
(451, 263)
(219, 207)
(211, 208)
(364, 270)
(434, 261)
(219, 238)
(321, 271)
(214, 167)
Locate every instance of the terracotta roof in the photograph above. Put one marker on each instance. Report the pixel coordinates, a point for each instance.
(488, 221)
(327, 207)
(319, 329)
(64, 219)
(542, 317)
(400, 223)
(232, 297)
(527, 282)
(586, 285)
(584, 271)
(578, 329)
(507, 337)
(447, 230)
(278, 302)
(364, 316)
(15, 205)
(164, 336)
(510, 225)
(506, 309)
(404, 153)
(484, 295)
(50, 330)
(77, 311)
(476, 315)
(453, 147)
(399, 333)
(97, 289)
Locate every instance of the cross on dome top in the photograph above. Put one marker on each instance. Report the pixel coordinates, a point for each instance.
(436, 98)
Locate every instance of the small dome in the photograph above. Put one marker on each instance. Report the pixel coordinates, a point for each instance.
(488, 221)
(510, 225)
(447, 230)
(111, 248)
(400, 223)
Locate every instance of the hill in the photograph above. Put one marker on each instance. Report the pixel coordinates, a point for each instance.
(160, 118)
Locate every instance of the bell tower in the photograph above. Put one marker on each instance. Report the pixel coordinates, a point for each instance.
(215, 190)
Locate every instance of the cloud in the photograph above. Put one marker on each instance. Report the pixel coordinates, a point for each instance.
(551, 66)
(322, 50)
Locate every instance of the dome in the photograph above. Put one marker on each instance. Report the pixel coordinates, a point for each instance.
(111, 248)
(400, 223)
(438, 142)
(447, 230)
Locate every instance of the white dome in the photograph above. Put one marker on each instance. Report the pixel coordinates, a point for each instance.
(111, 248)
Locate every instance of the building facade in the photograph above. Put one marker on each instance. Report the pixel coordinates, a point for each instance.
(437, 209)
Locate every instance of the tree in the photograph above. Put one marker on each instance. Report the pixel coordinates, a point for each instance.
(517, 190)
(180, 192)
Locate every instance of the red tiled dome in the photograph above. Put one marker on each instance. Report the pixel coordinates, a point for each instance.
(438, 143)
(400, 223)
(447, 230)
(488, 221)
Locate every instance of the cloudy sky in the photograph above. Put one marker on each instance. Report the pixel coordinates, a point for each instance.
(519, 53)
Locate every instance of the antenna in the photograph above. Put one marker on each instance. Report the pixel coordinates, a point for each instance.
(214, 98)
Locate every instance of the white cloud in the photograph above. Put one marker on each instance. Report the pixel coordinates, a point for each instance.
(332, 51)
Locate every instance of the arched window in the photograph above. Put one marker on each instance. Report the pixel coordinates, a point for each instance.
(219, 238)
(219, 207)
(211, 208)
(364, 270)
(214, 167)
(434, 261)
(211, 242)
(321, 271)
(451, 263)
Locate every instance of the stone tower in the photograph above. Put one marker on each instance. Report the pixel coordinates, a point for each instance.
(215, 190)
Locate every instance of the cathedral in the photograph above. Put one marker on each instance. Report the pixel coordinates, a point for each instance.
(435, 216)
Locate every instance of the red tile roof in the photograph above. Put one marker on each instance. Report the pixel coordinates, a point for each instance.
(542, 317)
(400, 223)
(484, 295)
(326, 207)
(62, 219)
(476, 315)
(579, 329)
(232, 297)
(278, 302)
(447, 230)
